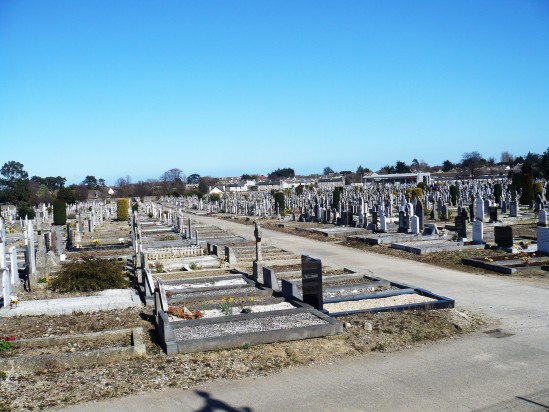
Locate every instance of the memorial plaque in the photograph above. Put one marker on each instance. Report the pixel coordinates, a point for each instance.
(503, 236)
(311, 277)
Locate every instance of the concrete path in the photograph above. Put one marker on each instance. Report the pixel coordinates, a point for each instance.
(107, 300)
(477, 372)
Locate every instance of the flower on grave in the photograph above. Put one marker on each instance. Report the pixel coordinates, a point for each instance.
(9, 338)
(198, 313)
(95, 242)
(14, 300)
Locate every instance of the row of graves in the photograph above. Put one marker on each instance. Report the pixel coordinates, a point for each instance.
(31, 251)
(213, 290)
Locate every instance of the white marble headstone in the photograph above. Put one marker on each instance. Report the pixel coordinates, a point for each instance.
(478, 231)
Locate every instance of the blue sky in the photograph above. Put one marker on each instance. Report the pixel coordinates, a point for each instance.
(222, 88)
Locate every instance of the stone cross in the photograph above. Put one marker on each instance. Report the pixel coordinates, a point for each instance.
(257, 235)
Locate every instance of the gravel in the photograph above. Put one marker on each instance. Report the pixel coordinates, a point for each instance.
(216, 313)
(208, 294)
(225, 282)
(248, 325)
(376, 303)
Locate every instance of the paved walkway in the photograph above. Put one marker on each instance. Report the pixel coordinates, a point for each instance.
(107, 300)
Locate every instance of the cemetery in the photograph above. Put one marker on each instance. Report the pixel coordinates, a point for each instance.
(194, 289)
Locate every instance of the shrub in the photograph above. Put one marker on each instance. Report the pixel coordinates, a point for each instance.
(498, 191)
(150, 214)
(414, 193)
(527, 190)
(336, 196)
(59, 212)
(280, 200)
(122, 209)
(89, 274)
(454, 194)
(135, 207)
(538, 188)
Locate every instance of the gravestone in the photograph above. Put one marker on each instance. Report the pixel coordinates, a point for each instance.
(503, 236)
(311, 278)
(513, 208)
(258, 235)
(542, 218)
(420, 215)
(414, 223)
(460, 223)
(493, 213)
(383, 223)
(479, 208)
(478, 232)
(543, 239)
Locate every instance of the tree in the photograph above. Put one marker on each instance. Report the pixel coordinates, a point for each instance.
(447, 166)
(386, 170)
(527, 189)
(286, 173)
(506, 158)
(246, 176)
(471, 162)
(14, 186)
(401, 167)
(205, 183)
(173, 175)
(24, 209)
(67, 195)
(122, 206)
(361, 170)
(327, 171)
(101, 182)
(280, 201)
(59, 212)
(531, 165)
(193, 179)
(90, 182)
(544, 164)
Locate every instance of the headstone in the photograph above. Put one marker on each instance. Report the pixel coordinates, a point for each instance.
(513, 208)
(383, 223)
(542, 218)
(543, 239)
(420, 215)
(503, 236)
(311, 277)
(461, 226)
(6, 286)
(479, 208)
(493, 213)
(414, 223)
(478, 232)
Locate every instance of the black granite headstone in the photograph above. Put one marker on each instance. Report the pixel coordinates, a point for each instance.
(311, 277)
(493, 213)
(461, 226)
(503, 236)
(374, 218)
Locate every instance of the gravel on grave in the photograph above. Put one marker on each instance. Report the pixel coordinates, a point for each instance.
(357, 291)
(219, 293)
(350, 305)
(216, 313)
(247, 325)
(225, 282)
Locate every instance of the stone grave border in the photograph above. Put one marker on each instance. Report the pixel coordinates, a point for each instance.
(500, 265)
(439, 247)
(291, 291)
(84, 359)
(108, 246)
(165, 331)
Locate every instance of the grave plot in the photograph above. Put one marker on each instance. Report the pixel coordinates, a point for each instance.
(511, 263)
(390, 238)
(371, 295)
(108, 235)
(335, 232)
(72, 350)
(438, 245)
(233, 312)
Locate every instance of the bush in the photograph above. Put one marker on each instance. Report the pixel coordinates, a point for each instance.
(280, 201)
(527, 190)
(336, 196)
(122, 206)
(89, 274)
(414, 193)
(498, 191)
(59, 212)
(25, 209)
(135, 207)
(538, 188)
(454, 194)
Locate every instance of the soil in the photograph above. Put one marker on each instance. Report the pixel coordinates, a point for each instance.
(54, 388)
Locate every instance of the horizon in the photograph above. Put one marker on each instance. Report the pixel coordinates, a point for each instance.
(225, 89)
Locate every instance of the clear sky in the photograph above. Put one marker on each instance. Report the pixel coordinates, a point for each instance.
(222, 88)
